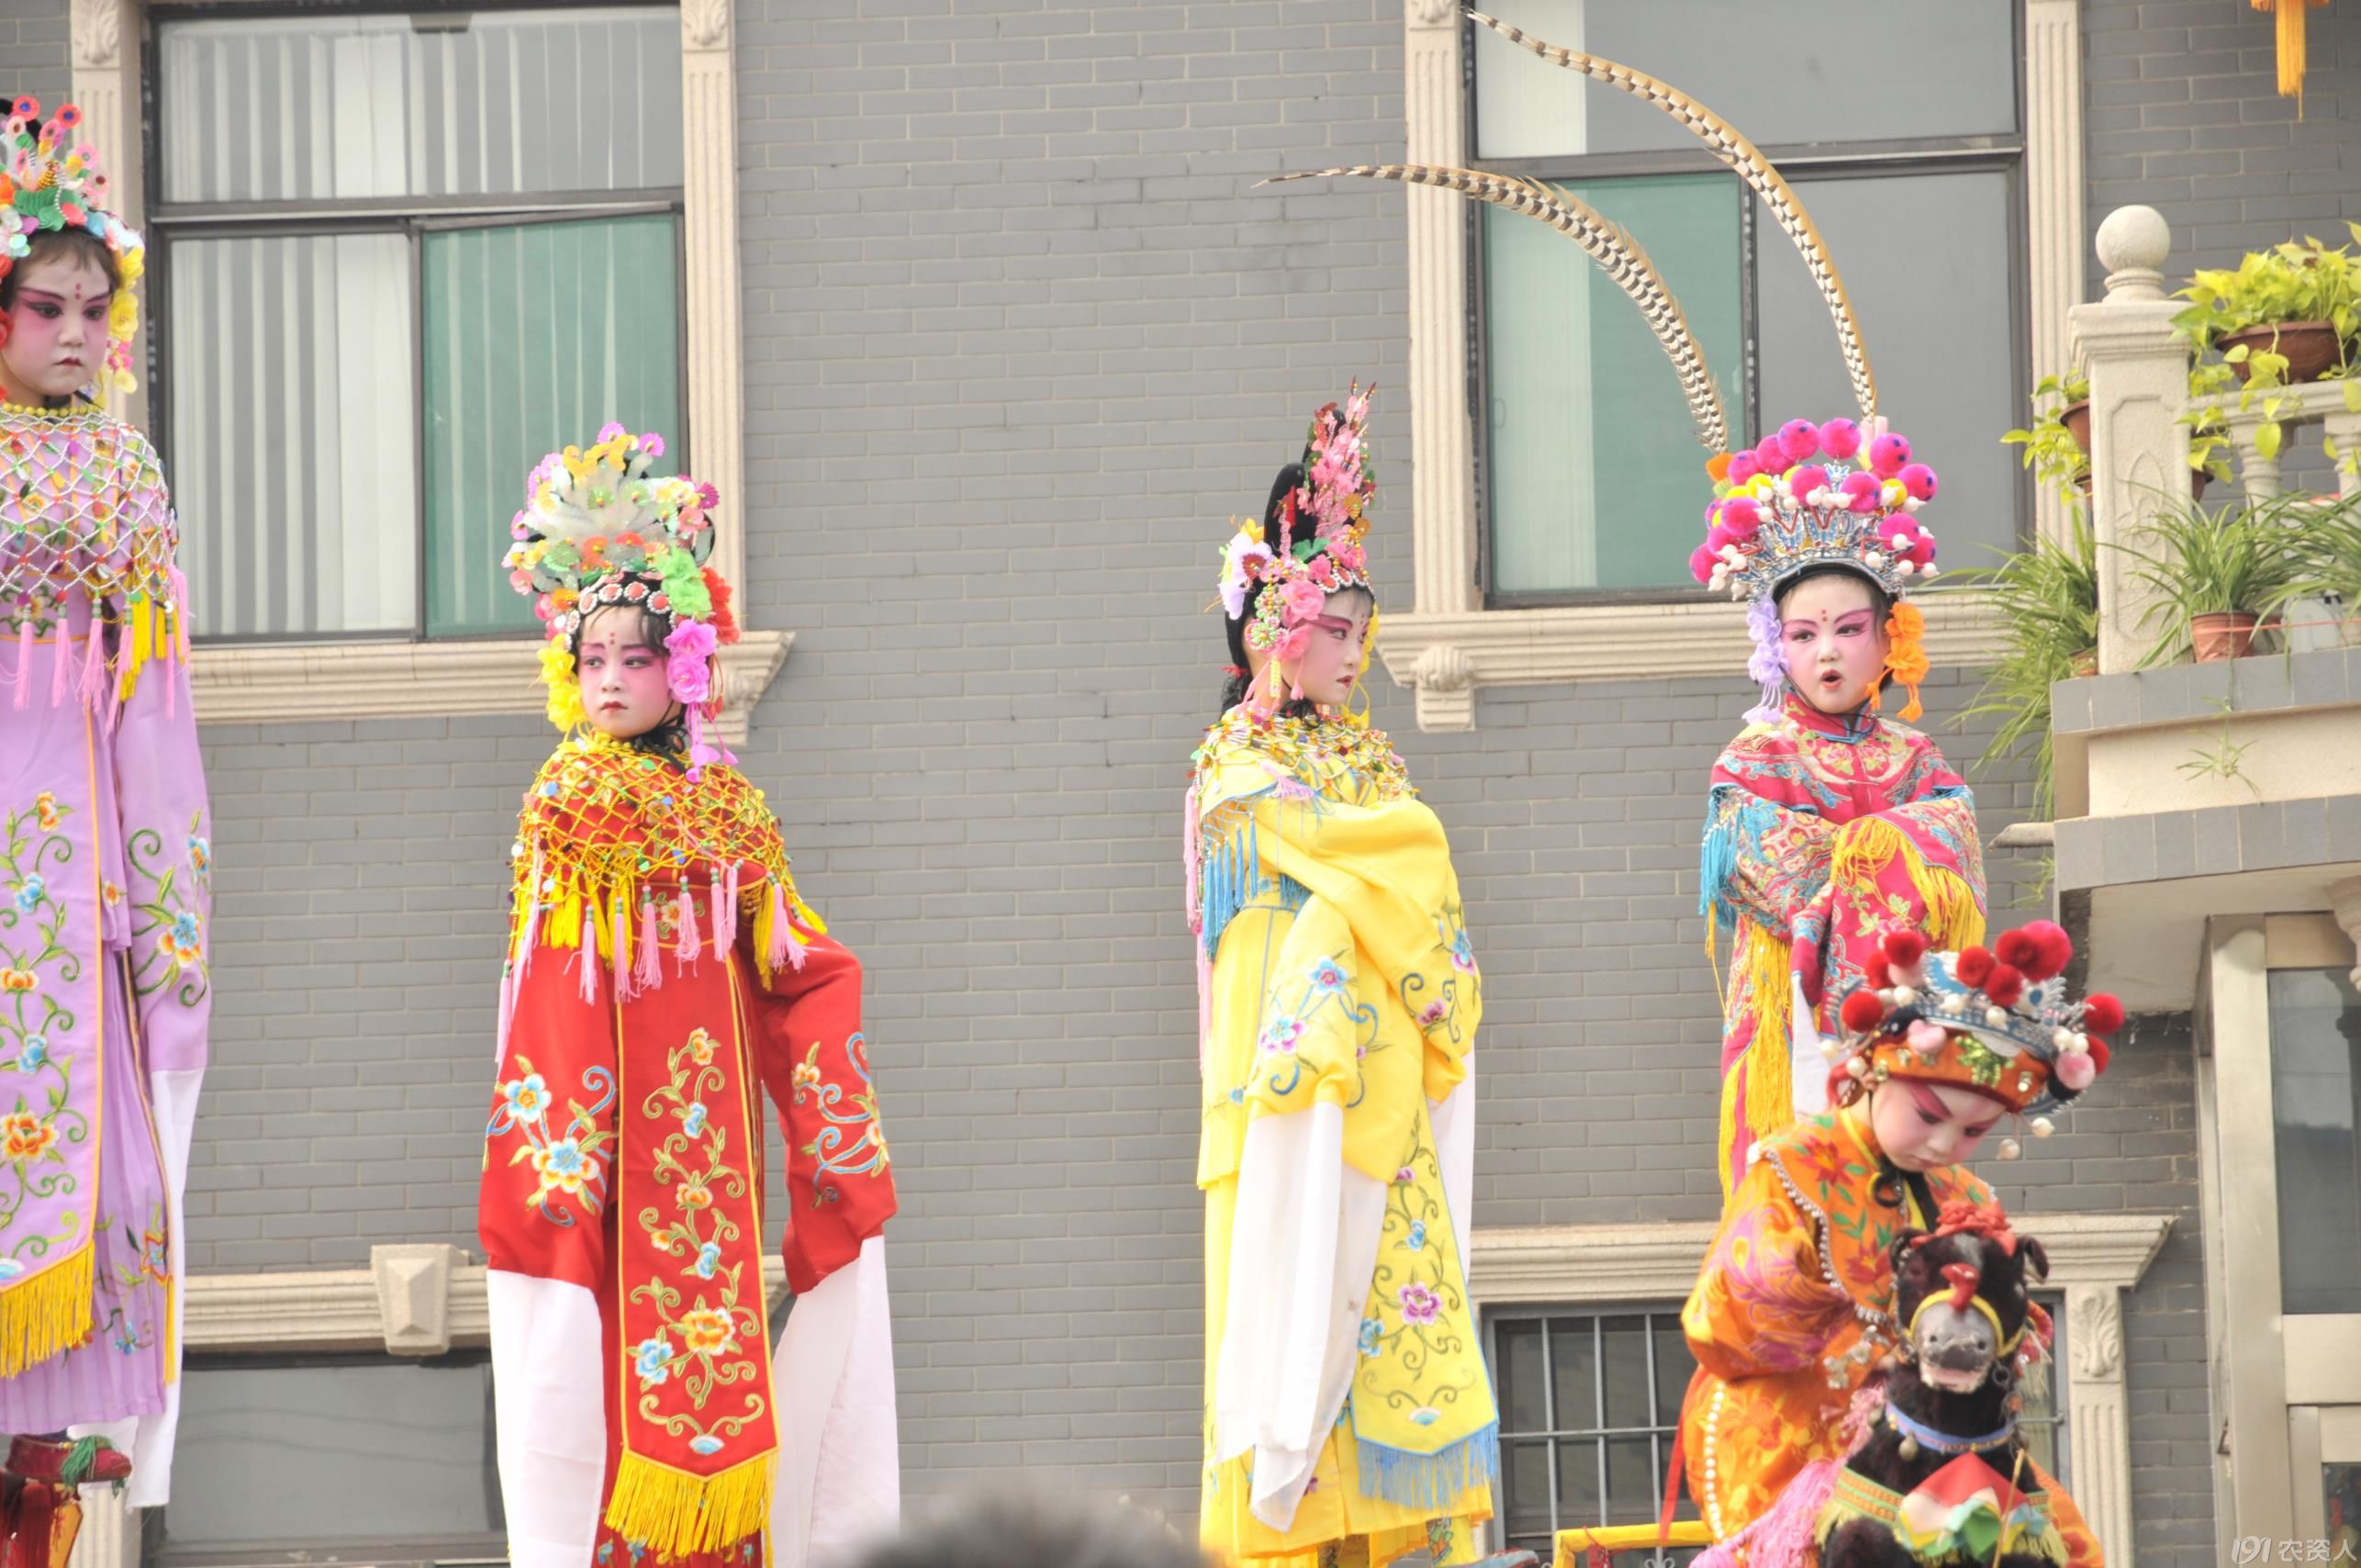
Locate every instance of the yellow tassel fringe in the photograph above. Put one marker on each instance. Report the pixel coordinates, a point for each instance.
(1768, 1095)
(676, 1513)
(45, 1314)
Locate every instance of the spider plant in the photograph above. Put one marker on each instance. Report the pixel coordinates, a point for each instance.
(2047, 596)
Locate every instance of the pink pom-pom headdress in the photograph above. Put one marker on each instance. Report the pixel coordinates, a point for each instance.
(1833, 494)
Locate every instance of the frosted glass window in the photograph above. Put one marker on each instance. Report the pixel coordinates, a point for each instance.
(1804, 70)
(2315, 1109)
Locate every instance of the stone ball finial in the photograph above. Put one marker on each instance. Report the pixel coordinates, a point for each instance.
(2132, 244)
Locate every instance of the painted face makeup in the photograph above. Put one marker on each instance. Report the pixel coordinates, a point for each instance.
(1331, 664)
(1836, 645)
(1924, 1125)
(57, 328)
(623, 679)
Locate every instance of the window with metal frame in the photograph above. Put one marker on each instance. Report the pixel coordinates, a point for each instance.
(1590, 484)
(291, 1460)
(397, 258)
(1590, 1412)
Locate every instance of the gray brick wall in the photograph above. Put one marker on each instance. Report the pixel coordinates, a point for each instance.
(2181, 112)
(1023, 337)
(33, 56)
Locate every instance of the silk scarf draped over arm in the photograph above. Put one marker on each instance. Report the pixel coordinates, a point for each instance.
(1817, 842)
(1341, 998)
(663, 975)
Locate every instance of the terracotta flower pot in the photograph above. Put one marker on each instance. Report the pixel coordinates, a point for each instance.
(2083, 479)
(2075, 417)
(2309, 346)
(2198, 478)
(2084, 664)
(2221, 636)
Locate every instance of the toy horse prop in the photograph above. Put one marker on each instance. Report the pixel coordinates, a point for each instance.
(1942, 1476)
(1936, 1476)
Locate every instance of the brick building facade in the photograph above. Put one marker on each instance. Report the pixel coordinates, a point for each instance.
(1020, 333)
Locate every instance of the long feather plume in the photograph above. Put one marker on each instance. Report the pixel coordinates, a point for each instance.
(1732, 147)
(1606, 242)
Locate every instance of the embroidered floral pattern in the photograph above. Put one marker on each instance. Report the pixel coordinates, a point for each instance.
(570, 1163)
(1418, 1318)
(1457, 964)
(850, 1142)
(167, 926)
(39, 1121)
(709, 1340)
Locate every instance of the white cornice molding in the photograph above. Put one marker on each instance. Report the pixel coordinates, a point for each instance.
(323, 1310)
(1446, 658)
(261, 683)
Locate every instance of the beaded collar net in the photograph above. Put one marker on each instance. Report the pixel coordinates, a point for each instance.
(1320, 544)
(89, 524)
(598, 529)
(1995, 1019)
(50, 182)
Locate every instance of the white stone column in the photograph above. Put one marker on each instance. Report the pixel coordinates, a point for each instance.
(2098, 1422)
(2053, 216)
(717, 440)
(110, 1531)
(1442, 482)
(105, 57)
(2139, 387)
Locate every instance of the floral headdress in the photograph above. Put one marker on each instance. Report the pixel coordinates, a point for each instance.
(1836, 494)
(597, 529)
(1994, 1019)
(50, 183)
(1319, 547)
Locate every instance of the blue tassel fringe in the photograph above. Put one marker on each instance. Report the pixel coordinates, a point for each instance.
(1429, 1481)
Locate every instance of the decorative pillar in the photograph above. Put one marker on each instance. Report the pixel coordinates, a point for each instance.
(110, 1531)
(106, 56)
(2139, 387)
(2054, 215)
(1442, 470)
(2097, 1417)
(717, 437)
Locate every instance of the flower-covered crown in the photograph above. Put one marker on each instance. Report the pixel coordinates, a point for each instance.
(1780, 509)
(1997, 1019)
(1321, 524)
(48, 182)
(597, 529)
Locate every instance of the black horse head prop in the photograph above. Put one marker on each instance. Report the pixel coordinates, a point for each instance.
(1943, 1473)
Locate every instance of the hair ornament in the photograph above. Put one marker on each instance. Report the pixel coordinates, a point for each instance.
(1317, 545)
(50, 182)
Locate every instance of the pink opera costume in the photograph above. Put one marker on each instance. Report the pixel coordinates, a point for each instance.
(104, 890)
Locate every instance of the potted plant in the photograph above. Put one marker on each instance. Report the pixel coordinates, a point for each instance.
(2047, 596)
(2287, 314)
(2057, 445)
(2215, 575)
(2328, 550)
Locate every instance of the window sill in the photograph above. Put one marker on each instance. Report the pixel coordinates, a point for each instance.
(278, 682)
(1448, 659)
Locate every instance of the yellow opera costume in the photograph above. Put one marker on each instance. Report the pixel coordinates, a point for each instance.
(1349, 1417)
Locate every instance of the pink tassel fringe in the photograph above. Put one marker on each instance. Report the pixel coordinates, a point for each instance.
(782, 933)
(725, 923)
(25, 660)
(685, 948)
(61, 668)
(587, 957)
(647, 964)
(92, 685)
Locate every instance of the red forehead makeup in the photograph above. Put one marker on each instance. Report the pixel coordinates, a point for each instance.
(1332, 623)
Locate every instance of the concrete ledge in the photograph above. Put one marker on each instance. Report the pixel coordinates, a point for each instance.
(2181, 694)
(2211, 841)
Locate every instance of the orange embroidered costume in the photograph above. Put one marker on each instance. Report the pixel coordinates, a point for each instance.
(663, 975)
(1795, 1304)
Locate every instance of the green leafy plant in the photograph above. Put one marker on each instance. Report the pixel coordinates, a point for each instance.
(2299, 280)
(2328, 550)
(2239, 560)
(2047, 599)
(2050, 450)
(2221, 759)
